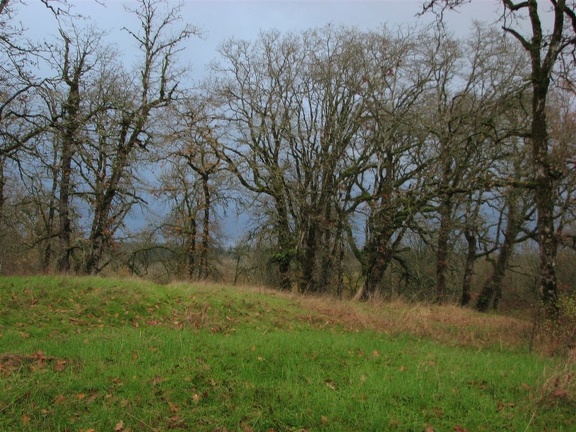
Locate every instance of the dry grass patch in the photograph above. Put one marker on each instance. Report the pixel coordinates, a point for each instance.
(448, 324)
(556, 389)
(558, 385)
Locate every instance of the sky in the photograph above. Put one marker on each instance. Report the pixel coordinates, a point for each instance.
(220, 20)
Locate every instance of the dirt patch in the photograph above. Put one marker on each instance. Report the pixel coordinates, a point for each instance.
(11, 363)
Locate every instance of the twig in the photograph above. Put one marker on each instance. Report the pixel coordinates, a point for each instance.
(15, 401)
(141, 421)
(531, 419)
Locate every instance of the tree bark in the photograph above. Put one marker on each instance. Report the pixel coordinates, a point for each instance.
(285, 253)
(204, 270)
(545, 198)
(100, 234)
(492, 289)
(378, 258)
(442, 249)
(468, 267)
(2, 203)
(191, 246)
(71, 75)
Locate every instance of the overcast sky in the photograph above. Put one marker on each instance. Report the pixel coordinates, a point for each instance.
(244, 19)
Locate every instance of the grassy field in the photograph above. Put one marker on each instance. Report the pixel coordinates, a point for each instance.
(95, 354)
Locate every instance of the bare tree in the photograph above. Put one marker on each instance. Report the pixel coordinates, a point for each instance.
(20, 122)
(70, 103)
(254, 87)
(473, 87)
(127, 121)
(194, 184)
(393, 184)
(293, 107)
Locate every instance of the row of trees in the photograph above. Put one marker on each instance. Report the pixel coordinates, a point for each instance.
(344, 146)
(412, 133)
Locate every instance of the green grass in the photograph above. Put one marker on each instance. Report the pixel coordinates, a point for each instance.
(81, 354)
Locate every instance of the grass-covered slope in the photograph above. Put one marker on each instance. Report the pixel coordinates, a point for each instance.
(94, 354)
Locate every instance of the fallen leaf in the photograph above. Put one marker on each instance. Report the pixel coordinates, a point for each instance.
(60, 399)
(60, 365)
(330, 384)
(25, 419)
(502, 405)
(429, 429)
(459, 429)
(174, 408)
(119, 426)
(175, 422)
(560, 394)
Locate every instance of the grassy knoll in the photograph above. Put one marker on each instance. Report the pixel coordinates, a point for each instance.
(94, 354)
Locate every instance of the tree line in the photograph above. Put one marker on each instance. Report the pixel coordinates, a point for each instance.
(349, 149)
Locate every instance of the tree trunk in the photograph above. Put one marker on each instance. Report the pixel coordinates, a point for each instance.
(545, 198)
(204, 270)
(64, 208)
(442, 249)
(191, 246)
(96, 240)
(72, 74)
(378, 258)
(100, 232)
(2, 202)
(285, 252)
(469, 266)
(308, 260)
(492, 290)
(47, 252)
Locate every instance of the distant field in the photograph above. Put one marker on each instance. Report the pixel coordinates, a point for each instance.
(96, 354)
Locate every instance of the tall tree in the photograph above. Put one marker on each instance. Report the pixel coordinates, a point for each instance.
(153, 87)
(293, 107)
(393, 184)
(194, 184)
(71, 105)
(20, 122)
(475, 83)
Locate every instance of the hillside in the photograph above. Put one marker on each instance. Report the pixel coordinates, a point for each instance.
(96, 354)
